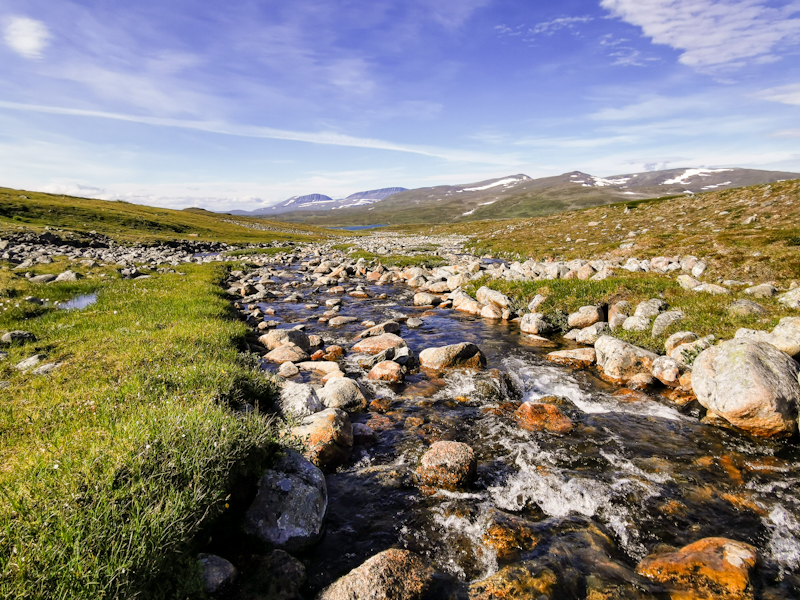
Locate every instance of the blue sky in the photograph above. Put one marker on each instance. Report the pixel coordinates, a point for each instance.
(242, 104)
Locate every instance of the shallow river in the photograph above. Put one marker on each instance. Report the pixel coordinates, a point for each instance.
(636, 468)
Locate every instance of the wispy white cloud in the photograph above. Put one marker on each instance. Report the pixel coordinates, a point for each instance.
(786, 94)
(711, 33)
(550, 27)
(328, 138)
(27, 37)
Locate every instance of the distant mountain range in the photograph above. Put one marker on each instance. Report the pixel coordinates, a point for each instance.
(513, 196)
(321, 202)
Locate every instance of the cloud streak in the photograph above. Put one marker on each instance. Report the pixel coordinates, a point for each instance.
(328, 138)
(712, 33)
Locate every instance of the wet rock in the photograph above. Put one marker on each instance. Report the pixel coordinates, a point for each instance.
(387, 327)
(535, 323)
(276, 576)
(582, 357)
(386, 370)
(414, 323)
(516, 582)
(463, 355)
(18, 337)
(765, 290)
(343, 393)
(363, 435)
(425, 299)
(299, 399)
(447, 465)
(746, 308)
(336, 321)
(390, 575)
(641, 381)
(333, 353)
(586, 316)
(790, 299)
(752, 385)
(534, 416)
(485, 295)
(290, 506)
(665, 320)
(217, 573)
(286, 353)
(328, 436)
(279, 337)
(709, 569)
(620, 360)
(509, 535)
(379, 343)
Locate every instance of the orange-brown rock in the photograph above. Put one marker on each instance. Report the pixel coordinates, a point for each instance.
(543, 417)
(386, 370)
(509, 535)
(318, 355)
(333, 353)
(580, 358)
(391, 575)
(447, 465)
(328, 436)
(286, 353)
(379, 343)
(709, 569)
(516, 582)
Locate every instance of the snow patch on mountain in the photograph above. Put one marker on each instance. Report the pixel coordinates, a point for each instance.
(689, 173)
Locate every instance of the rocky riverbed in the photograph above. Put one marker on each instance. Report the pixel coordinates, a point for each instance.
(455, 446)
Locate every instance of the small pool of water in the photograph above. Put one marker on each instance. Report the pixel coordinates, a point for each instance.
(79, 302)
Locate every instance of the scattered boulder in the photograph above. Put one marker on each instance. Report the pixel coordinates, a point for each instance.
(665, 320)
(686, 353)
(537, 301)
(425, 299)
(746, 308)
(586, 316)
(765, 290)
(386, 327)
(290, 506)
(328, 436)
(485, 295)
(492, 311)
(447, 465)
(390, 575)
(650, 308)
(28, 363)
(217, 572)
(710, 288)
(620, 360)
(636, 324)
(68, 275)
(687, 282)
(709, 569)
(672, 373)
(288, 369)
(414, 323)
(752, 385)
(343, 393)
(678, 338)
(18, 337)
(463, 355)
(543, 417)
(790, 299)
(589, 335)
(336, 321)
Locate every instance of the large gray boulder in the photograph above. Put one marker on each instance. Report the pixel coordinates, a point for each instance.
(620, 360)
(665, 320)
(343, 393)
(299, 400)
(289, 509)
(586, 316)
(391, 575)
(753, 385)
(790, 299)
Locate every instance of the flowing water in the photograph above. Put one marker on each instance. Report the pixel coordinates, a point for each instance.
(636, 469)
